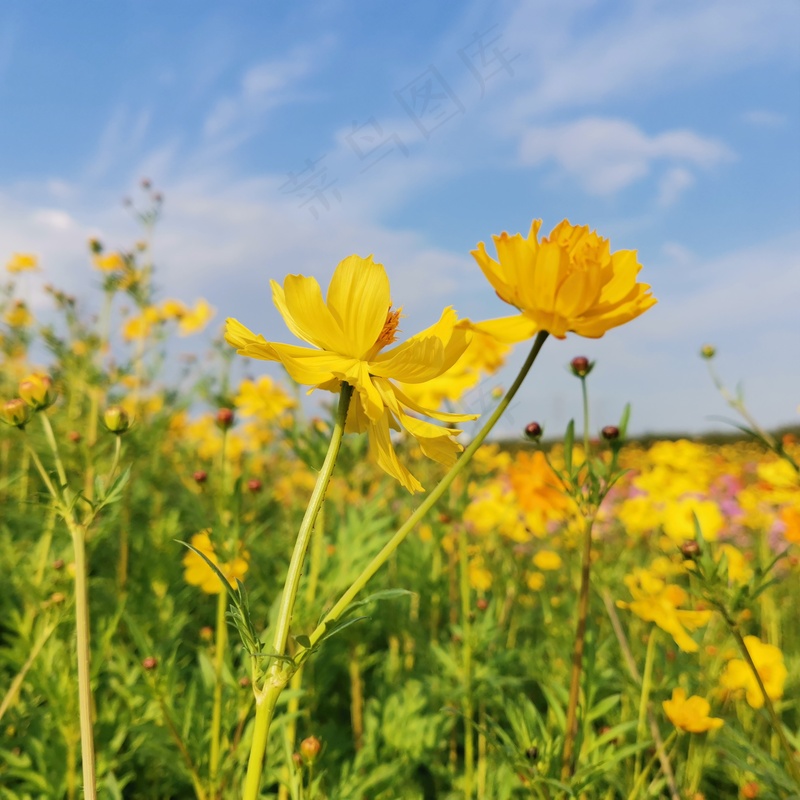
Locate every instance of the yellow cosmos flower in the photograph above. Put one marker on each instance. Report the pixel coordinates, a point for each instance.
(18, 315)
(348, 332)
(656, 601)
(570, 281)
(22, 262)
(198, 573)
(111, 262)
(690, 714)
(195, 319)
(547, 560)
(263, 399)
(769, 663)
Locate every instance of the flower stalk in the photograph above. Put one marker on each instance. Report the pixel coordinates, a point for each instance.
(281, 670)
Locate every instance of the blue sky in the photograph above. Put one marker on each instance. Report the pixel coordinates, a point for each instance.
(670, 126)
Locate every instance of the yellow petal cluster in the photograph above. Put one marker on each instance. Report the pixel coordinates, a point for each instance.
(22, 262)
(656, 601)
(263, 399)
(690, 714)
(768, 660)
(348, 331)
(570, 281)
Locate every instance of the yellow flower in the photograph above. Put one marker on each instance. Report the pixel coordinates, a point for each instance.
(690, 714)
(172, 309)
(195, 319)
(547, 560)
(656, 601)
(348, 332)
(141, 326)
(263, 399)
(109, 263)
(769, 663)
(679, 519)
(22, 262)
(570, 281)
(480, 578)
(198, 573)
(535, 581)
(18, 315)
(739, 571)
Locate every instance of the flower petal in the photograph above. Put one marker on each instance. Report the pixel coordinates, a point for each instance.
(248, 343)
(359, 299)
(380, 443)
(311, 367)
(509, 329)
(301, 302)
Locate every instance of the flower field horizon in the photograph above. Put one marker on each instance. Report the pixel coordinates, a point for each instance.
(210, 593)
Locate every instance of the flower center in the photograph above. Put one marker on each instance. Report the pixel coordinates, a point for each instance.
(388, 333)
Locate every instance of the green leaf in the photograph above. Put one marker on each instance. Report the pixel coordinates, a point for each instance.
(569, 441)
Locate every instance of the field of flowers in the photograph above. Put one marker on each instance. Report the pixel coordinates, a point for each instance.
(590, 617)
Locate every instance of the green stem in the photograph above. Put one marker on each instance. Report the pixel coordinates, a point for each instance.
(644, 700)
(466, 656)
(216, 713)
(51, 440)
(265, 710)
(585, 394)
(389, 548)
(571, 727)
(279, 673)
(84, 676)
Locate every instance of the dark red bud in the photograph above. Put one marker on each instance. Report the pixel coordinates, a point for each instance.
(225, 418)
(533, 430)
(610, 432)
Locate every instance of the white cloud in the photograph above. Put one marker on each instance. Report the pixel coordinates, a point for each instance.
(672, 185)
(607, 155)
(762, 118)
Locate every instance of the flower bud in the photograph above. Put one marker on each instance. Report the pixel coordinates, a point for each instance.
(95, 246)
(38, 391)
(149, 663)
(58, 564)
(610, 433)
(581, 366)
(200, 476)
(254, 485)
(310, 749)
(690, 549)
(15, 412)
(206, 633)
(708, 351)
(116, 419)
(244, 681)
(482, 604)
(533, 430)
(224, 418)
(74, 437)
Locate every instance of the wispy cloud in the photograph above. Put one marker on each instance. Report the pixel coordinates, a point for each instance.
(605, 155)
(763, 118)
(262, 87)
(585, 60)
